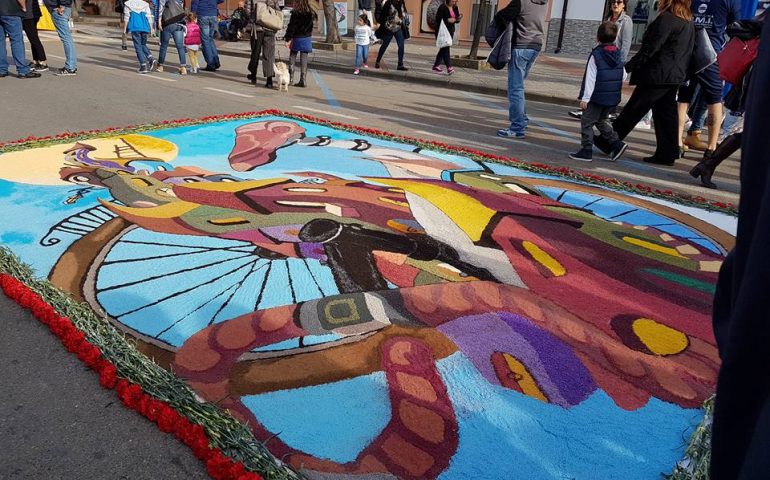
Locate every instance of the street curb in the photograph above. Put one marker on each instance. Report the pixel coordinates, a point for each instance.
(436, 82)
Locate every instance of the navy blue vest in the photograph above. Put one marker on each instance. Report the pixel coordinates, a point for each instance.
(609, 76)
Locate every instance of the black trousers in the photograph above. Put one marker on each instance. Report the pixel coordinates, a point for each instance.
(30, 28)
(443, 56)
(662, 101)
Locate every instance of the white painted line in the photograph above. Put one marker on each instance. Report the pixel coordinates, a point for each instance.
(229, 92)
(154, 77)
(326, 112)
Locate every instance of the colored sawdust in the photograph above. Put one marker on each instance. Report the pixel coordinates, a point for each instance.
(386, 309)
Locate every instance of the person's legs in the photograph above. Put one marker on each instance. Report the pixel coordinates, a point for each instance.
(207, 27)
(30, 28)
(136, 38)
(637, 108)
(383, 48)
(605, 127)
(165, 37)
(518, 69)
(123, 36)
(177, 33)
(13, 28)
(3, 51)
(705, 169)
(303, 68)
(448, 59)
(365, 56)
(147, 52)
(193, 60)
(711, 91)
(665, 116)
(292, 61)
(590, 117)
(359, 55)
(400, 42)
(61, 22)
(256, 53)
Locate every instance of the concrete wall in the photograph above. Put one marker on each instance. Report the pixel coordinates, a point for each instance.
(579, 9)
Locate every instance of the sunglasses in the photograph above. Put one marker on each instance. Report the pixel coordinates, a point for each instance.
(619, 2)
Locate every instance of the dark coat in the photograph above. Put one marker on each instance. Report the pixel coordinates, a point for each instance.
(33, 10)
(300, 25)
(10, 8)
(741, 429)
(609, 76)
(385, 11)
(664, 57)
(52, 4)
(442, 15)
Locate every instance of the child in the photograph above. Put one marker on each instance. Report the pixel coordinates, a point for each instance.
(137, 18)
(192, 40)
(364, 36)
(600, 94)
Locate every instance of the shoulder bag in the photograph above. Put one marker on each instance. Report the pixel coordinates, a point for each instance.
(267, 17)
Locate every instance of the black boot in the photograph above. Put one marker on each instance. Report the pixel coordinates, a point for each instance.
(291, 76)
(711, 159)
(301, 82)
(269, 82)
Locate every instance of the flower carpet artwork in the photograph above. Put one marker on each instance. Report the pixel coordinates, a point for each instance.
(293, 298)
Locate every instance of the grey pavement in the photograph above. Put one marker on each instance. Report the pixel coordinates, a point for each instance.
(54, 418)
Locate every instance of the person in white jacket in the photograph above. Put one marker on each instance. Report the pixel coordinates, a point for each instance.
(138, 21)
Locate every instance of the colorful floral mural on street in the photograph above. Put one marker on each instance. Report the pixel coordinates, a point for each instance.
(382, 310)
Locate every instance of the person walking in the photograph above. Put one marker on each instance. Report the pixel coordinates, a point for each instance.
(206, 11)
(450, 16)
(363, 37)
(31, 17)
(138, 18)
(262, 46)
(657, 71)
(391, 19)
(60, 11)
(600, 94)
(121, 25)
(174, 29)
(298, 38)
(192, 41)
(365, 8)
(11, 13)
(528, 18)
(714, 16)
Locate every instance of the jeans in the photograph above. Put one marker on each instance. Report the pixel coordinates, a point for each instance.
(208, 26)
(362, 55)
(12, 26)
(140, 45)
(399, 35)
(175, 31)
(62, 24)
(522, 60)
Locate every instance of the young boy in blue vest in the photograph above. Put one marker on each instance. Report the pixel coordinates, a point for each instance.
(600, 94)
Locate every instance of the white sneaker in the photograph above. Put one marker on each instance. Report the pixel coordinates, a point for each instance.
(643, 125)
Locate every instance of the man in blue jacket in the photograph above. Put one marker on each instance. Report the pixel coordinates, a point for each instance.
(11, 12)
(206, 10)
(60, 14)
(713, 16)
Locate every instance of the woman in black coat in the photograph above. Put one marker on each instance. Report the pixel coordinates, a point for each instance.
(658, 70)
(391, 19)
(449, 15)
(299, 38)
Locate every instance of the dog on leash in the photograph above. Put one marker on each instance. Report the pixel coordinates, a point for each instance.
(282, 77)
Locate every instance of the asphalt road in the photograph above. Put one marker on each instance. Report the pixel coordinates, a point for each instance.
(55, 421)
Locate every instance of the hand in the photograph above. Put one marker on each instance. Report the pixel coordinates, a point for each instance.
(288, 44)
(583, 105)
(60, 10)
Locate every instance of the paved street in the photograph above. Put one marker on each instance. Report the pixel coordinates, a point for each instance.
(53, 415)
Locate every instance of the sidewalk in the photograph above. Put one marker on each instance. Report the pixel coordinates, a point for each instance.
(553, 79)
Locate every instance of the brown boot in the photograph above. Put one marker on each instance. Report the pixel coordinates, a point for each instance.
(694, 141)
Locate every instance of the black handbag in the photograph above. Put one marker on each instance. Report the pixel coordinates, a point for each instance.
(405, 27)
(703, 54)
(172, 13)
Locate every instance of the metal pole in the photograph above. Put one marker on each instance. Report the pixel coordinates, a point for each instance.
(561, 27)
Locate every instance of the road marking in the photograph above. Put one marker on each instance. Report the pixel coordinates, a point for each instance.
(325, 90)
(154, 77)
(229, 92)
(334, 114)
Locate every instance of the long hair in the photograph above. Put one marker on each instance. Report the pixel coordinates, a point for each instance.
(679, 8)
(302, 6)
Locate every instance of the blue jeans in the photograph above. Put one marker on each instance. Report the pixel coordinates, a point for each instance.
(522, 60)
(362, 55)
(140, 45)
(175, 31)
(399, 36)
(12, 26)
(62, 24)
(208, 26)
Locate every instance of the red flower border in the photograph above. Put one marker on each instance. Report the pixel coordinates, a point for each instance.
(168, 420)
(724, 207)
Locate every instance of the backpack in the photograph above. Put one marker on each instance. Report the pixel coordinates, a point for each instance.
(172, 13)
(137, 22)
(492, 33)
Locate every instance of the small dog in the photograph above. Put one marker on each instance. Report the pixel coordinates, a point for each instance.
(282, 77)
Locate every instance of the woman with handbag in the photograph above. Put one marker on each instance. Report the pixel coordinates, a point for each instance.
(447, 16)
(298, 38)
(657, 71)
(391, 21)
(172, 17)
(262, 41)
